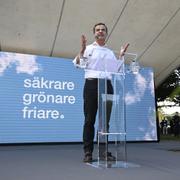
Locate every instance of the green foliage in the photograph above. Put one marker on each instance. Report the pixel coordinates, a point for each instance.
(170, 88)
(161, 115)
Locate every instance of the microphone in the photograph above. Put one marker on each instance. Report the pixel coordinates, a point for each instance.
(96, 36)
(100, 36)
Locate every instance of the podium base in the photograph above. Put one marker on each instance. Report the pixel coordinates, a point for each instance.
(112, 164)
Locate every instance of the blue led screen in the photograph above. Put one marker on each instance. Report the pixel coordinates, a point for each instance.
(41, 100)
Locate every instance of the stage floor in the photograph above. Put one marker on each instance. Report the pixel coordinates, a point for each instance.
(159, 161)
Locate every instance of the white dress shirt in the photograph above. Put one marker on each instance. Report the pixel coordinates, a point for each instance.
(101, 62)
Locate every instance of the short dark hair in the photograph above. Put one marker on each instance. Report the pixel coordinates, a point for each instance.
(98, 25)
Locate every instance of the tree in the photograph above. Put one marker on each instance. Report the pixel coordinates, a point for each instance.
(170, 88)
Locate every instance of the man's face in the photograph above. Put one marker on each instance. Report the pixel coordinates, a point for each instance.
(100, 32)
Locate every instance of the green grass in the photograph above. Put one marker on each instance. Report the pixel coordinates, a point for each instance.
(169, 137)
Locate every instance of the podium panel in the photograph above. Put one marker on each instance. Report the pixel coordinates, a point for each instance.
(111, 135)
(111, 123)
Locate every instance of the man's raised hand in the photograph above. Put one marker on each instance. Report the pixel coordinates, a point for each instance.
(123, 50)
(83, 44)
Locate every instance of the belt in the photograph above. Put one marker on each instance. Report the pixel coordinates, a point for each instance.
(91, 79)
(95, 79)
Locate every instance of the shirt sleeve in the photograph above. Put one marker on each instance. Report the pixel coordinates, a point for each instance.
(114, 64)
(82, 59)
(74, 61)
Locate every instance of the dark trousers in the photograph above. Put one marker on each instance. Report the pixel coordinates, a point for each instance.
(90, 96)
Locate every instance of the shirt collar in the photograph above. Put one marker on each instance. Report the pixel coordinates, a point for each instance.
(96, 44)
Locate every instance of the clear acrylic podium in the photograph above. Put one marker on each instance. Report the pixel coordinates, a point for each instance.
(111, 122)
(111, 133)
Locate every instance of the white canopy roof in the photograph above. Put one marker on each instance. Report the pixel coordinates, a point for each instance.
(54, 27)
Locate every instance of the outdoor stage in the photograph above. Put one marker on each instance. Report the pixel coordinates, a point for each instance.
(64, 162)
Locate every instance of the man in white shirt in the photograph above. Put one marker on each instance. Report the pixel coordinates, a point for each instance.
(97, 58)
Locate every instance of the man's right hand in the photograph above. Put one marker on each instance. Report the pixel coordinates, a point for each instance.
(83, 48)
